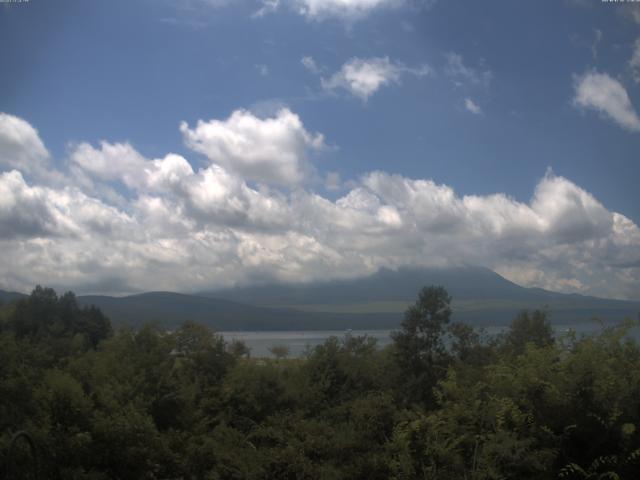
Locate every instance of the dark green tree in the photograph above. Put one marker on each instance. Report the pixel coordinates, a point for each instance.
(57, 323)
(419, 347)
(238, 348)
(529, 327)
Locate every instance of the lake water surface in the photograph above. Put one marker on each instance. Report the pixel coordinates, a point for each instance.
(298, 341)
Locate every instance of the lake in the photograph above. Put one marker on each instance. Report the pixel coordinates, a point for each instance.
(299, 340)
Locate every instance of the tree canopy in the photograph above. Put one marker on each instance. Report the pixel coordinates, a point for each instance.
(443, 401)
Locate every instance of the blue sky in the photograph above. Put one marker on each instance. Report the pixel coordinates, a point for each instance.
(480, 98)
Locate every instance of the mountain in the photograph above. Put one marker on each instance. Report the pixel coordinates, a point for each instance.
(8, 297)
(480, 297)
(385, 285)
(171, 309)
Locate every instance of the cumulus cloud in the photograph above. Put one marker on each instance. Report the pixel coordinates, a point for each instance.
(321, 9)
(271, 150)
(363, 77)
(34, 211)
(606, 95)
(185, 229)
(24, 211)
(96, 168)
(472, 106)
(345, 8)
(170, 188)
(315, 10)
(20, 145)
(109, 162)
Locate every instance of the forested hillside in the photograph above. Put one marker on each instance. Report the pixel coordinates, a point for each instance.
(442, 402)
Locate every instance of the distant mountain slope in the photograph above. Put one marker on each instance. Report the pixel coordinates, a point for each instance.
(174, 308)
(386, 285)
(171, 309)
(8, 297)
(479, 296)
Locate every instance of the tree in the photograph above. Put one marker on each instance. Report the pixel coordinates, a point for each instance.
(57, 323)
(528, 327)
(468, 346)
(204, 352)
(238, 348)
(280, 351)
(419, 346)
(193, 338)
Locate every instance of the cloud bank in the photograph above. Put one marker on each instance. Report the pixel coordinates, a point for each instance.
(123, 222)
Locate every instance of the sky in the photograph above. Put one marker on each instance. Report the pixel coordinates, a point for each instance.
(189, 145)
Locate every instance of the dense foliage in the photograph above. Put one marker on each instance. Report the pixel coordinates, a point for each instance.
(442, 402)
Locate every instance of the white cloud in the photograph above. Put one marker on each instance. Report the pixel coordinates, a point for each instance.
(464, 75)
(363, 77)
(634, 62)
(342, 8)
(181, 229)
(271, 150)
(20, 145)
(316, 10)
(472, 106)
(310, 64)
(43, 212)
(24, 211)
(606, 95)
(120, 162)
(211, 194)
(321, 9)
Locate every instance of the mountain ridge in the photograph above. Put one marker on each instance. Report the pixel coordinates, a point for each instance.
(405, 283)
(480, 297)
